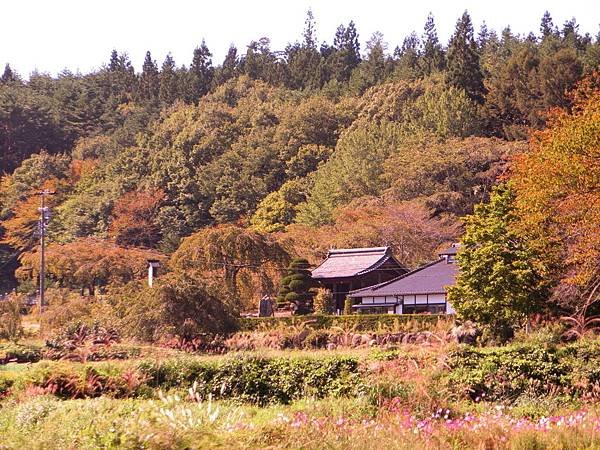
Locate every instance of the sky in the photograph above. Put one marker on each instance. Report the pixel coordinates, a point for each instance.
(51, 35)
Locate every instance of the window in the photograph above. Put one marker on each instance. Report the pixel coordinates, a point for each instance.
(424, 309)
(374, 310)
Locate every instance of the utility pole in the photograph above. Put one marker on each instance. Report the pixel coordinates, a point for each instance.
(44, 217)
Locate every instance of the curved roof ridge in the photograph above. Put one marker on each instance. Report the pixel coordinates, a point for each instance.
(343, 263)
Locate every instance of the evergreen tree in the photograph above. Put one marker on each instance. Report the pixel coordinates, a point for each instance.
(433, 55)
(149, 83)
(309, 34)
(295, 287)
(121, 78)
(8, 76)
(572, 38)
(346, 54)
(261, 63)
(202, 71)
(168, 81)
(547, 27)
(303, 60)
(464, 70)
(407, 63)
(229, 67)
(371, 71)
(483, 37)
(113, 65)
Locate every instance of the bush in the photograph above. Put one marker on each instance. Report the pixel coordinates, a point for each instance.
(65, 307)
(10, 318)
(323, 302)
(510, 372)
(358, 322)
(19, 353)
(348, 302)
(316, 339)
(260, 380)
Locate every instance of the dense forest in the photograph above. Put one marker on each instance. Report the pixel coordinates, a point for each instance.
(230, 169)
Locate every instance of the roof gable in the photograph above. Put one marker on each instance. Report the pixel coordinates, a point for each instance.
(350, 262)
(432, 278)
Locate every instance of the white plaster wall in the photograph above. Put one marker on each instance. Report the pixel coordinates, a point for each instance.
(437, 298)
(421, 299)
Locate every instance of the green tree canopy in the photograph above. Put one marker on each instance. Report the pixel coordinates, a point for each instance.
(502, 279)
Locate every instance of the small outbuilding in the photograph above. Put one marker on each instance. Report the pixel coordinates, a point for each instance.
(423, 290)
(348, 269)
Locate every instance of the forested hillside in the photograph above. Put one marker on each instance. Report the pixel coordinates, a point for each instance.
(271, 154)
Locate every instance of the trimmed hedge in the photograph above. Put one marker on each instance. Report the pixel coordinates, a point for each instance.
(360, 322)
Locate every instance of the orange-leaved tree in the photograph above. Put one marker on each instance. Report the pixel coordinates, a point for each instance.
(134, 217)
(408, 227)
(558, 190)
(87, 263)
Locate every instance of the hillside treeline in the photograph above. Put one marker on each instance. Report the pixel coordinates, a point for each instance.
(294, 151)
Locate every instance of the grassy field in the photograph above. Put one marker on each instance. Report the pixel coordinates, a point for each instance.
(527, 395)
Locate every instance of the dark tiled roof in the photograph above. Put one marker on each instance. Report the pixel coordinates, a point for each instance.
(350, 262)
(431, 278)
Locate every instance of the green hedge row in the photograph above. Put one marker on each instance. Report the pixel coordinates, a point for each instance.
(504, 373)
(360, 322)
(258, 380)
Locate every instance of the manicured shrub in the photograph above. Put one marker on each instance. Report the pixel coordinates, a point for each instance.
(295, 286)
(348, 302)
(323, 302)
(359, 322)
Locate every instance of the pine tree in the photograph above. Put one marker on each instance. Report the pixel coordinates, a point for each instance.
(168, 82)
(149, 83)
(122, 79)
(295, 287)
(114, 61)
(407, 58)
(464, 71)
(346, 55)
(8, 76)
(309, 34)
(483, 37)
(547, 27)
(371, 71)
(202, 71)
(303, 59)
(229, 67)
(433, 54)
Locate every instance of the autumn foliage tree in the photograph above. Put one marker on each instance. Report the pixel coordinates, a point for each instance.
(134, 219)
(243, 262)
(408, 227)
(558, 189)
(87, 263)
